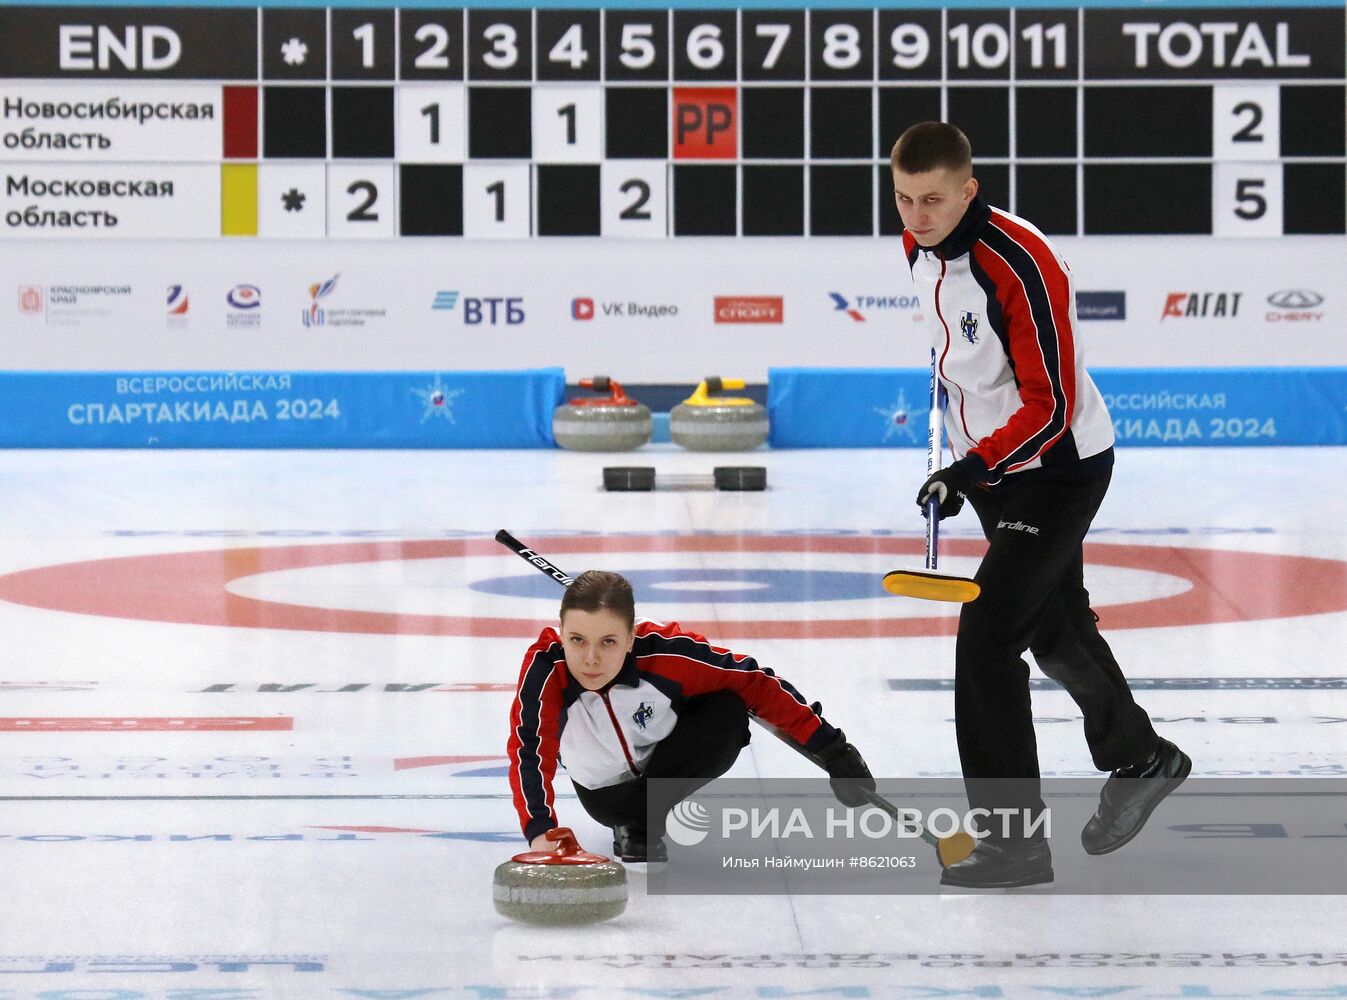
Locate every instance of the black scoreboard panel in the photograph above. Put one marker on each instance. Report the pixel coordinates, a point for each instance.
(668, 123)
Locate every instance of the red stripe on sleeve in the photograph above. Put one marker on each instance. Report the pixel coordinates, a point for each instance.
(1041, 378)
(533, 746)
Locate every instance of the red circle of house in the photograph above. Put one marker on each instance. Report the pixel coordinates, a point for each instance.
(190, 588)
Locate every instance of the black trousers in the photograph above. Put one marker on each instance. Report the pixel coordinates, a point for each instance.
(1034, 597)
(704, 744)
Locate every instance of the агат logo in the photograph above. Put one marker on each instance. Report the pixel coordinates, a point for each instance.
(1201, 305)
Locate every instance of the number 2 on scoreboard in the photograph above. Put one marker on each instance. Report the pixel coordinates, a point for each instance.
(359, 205)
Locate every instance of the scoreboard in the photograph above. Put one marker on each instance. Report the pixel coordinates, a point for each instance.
(638, 123)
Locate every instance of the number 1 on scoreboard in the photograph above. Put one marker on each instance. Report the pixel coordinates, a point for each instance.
(496, 198)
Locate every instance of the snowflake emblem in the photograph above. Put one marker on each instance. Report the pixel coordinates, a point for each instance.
(439, 401)
(294, 52)
(897, 418)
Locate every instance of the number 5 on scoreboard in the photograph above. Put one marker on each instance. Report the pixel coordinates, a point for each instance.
(1247, 199)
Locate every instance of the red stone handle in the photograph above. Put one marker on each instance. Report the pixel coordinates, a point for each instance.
(567, 851)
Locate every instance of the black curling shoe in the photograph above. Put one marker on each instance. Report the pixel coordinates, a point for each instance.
(1130, 796)
(633, 845)
(1006, 865)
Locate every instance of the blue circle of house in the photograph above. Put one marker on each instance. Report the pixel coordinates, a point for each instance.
(719, 586)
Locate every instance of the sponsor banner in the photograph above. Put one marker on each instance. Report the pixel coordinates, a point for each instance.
(279, 409)
(595, 306)
(160, 724)
(1219, 407)
(792, 837)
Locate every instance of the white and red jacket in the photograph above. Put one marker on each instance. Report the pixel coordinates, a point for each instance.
(605, 737)
(1001, 307)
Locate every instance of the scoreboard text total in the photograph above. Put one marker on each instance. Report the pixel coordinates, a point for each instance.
(314, 123)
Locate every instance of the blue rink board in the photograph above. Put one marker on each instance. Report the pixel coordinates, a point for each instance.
(1206, 407)
(807, 408)
(478, 409)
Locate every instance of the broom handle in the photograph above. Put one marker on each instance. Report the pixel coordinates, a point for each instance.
(935, 432)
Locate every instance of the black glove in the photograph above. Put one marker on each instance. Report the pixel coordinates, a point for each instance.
(847, 773)
(949, 484)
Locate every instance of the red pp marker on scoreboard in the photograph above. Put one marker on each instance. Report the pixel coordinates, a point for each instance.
(705, 123)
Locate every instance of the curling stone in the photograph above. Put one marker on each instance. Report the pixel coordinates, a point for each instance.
(705, 422)
(615, 422)
(565, 885)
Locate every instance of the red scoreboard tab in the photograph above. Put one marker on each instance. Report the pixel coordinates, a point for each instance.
(240, 123)
(705, 123)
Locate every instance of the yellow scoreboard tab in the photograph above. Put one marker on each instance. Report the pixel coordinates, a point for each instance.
(238, 199)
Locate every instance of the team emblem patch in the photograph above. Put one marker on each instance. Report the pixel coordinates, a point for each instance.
(968, 326)
(643, 715)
